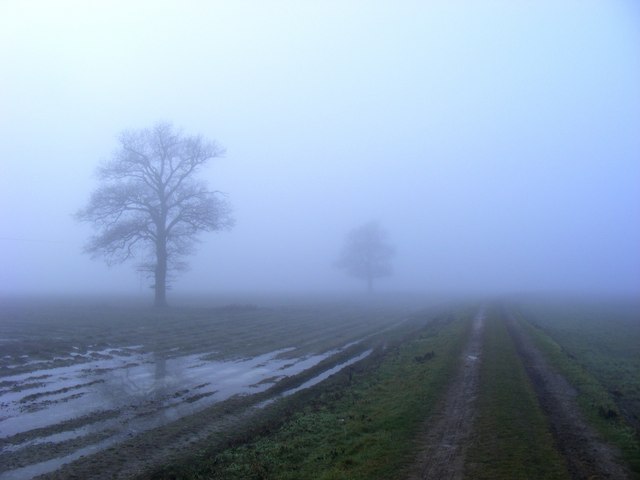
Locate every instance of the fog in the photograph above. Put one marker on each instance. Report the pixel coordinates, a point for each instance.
(496, 142)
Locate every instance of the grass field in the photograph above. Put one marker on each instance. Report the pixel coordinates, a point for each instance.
(324, 390)
(597, 347)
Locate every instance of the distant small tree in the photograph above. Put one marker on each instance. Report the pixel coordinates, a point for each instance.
(150, 201)
(367, 254)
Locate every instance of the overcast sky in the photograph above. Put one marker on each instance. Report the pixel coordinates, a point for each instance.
(497, 141)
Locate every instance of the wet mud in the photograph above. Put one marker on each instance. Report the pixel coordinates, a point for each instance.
(93, 408)
(443, 446)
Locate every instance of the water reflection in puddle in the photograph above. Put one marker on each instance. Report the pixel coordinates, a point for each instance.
(129, 393)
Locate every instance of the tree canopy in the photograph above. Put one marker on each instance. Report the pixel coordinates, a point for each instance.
(367, 253)
(150, 202)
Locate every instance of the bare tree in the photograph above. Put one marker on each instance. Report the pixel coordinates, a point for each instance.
(150, 202)
(367, 254)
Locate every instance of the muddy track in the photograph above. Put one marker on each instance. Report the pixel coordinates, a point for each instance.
(586, 454)
(448, 432)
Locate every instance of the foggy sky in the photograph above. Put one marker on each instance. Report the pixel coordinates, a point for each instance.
(497, 142)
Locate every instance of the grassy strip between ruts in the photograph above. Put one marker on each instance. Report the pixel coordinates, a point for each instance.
(358, 425)
(511, 438)
(594, 400)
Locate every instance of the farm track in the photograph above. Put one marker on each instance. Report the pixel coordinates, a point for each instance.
(586, 454)
(445, 441)
(445, 444)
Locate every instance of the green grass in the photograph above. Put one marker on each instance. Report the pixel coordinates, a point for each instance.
(604, 338)
(363, 428)
(511, 437)
(586, 354)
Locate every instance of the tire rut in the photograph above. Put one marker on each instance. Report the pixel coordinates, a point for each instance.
(586, 454)
(445, 442)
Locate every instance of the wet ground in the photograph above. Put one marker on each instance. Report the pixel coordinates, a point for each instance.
(119, 393)
(447, 435)
(450, 429)
(74, 399)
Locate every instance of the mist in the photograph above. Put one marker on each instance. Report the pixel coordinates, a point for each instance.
(496, 142)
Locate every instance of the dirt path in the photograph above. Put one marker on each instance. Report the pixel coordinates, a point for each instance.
(449, 429)
(587, 456)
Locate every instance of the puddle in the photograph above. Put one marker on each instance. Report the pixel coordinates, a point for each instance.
(147, 390)
(319, 378)
(53, 464)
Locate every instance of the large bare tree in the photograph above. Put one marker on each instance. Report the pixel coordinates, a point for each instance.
(367, 254)
(151, 203)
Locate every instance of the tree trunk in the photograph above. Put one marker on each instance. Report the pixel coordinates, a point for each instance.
(161, 274)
